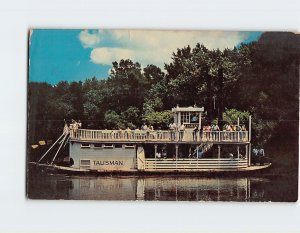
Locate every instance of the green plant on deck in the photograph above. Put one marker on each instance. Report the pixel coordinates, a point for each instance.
(231, 116)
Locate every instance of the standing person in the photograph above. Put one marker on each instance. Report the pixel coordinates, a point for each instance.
(181, 132)
(204, 132)
(172, 131)
(200, 133)
(176, 130)
(128, 133)
(239, 133)
(195, 132)
(208, 130)
(243, 132)
(158, 155)
(143, 126)
(74, 126)
(159, 133)
(79, 124)
(215, 128)
(66, 129)
(164, 151)
(119, 133)
(229, 130)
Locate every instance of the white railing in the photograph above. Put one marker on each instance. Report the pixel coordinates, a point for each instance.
(194, 164)
(159, 136)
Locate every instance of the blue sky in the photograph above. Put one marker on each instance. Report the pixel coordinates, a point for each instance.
(74, 55)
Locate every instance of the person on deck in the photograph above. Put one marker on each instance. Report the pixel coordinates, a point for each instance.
(128, 133)
(164, 151)
(208, 132)
(239, 129)
(244, 133)
(66, 129)
(199, 153)
(215, 128)
(159, 133)
(195, 133)
(79, 124)
(158, 155)
(181, 132)
(172, 127)
(194, 118)
(74, 127)
(229, 130)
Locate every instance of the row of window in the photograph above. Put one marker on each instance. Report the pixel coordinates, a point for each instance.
(187, 117)
(106, 146)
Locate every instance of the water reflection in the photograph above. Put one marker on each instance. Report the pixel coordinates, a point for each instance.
(194, 189)
(47, 186)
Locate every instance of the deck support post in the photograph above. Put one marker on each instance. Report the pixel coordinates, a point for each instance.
(197, 154)
(249, 134)
(199, 121)
(247, 153)
(176, 153)
(238, 152)
(249, 156)
(155, 152)
(219, 152)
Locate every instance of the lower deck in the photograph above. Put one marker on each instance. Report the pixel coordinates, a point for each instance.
(107, 157)
(193, 164)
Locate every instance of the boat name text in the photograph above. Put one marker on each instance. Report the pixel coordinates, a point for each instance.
(108, 162)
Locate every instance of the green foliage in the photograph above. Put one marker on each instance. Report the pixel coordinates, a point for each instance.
(260, 78)
(113, 120)
(158, 119)
(131, 117)
(231, 116)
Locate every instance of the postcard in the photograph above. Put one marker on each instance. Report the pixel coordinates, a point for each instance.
(158, 115)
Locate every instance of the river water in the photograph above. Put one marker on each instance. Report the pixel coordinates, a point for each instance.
(162, 188)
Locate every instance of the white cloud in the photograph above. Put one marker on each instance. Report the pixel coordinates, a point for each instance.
(156, 47)
(89, 40)
(107, 55)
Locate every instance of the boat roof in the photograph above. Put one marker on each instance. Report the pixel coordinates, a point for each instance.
(188, 109)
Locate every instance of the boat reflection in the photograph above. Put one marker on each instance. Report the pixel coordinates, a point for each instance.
(162, 188)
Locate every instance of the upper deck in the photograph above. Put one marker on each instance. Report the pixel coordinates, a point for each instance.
(160, 136)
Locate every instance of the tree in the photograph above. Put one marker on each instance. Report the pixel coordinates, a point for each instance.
(113, 120)
(131, 116)
(269, 83)
(127, 85)
(158, 119)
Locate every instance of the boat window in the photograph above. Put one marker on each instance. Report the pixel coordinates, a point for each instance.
(129, 146)
(185, 117)
(108, 146)
(118, 145)
(85, 162)
(194, 118)
(98, 145)
(85, 145)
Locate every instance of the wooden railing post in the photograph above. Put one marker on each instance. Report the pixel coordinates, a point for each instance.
(155, 152)
(176, 151)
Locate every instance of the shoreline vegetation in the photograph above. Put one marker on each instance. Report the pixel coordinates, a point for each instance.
(260, 79)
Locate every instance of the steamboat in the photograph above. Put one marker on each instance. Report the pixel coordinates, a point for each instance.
(185, 149)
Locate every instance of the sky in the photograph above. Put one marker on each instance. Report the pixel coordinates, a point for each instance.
(76, 55)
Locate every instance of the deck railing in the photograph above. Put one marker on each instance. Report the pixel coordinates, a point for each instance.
(159, 136)
(194, 164)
